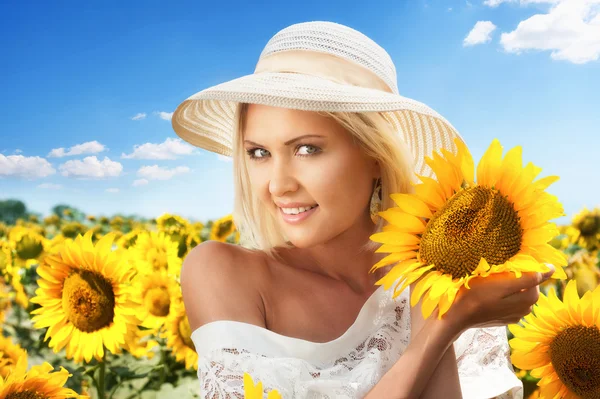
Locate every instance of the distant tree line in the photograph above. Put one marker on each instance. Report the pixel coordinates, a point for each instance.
(13, 209)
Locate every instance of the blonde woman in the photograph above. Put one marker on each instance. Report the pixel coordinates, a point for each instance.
(319, 138)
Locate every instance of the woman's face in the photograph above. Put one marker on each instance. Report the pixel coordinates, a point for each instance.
(308, 172)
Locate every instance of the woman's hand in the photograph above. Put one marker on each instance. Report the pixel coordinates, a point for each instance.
(496, 300)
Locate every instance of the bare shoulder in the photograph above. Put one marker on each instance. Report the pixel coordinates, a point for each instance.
(221, 281)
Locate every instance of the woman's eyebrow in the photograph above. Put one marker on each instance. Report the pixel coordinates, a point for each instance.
(287, 142)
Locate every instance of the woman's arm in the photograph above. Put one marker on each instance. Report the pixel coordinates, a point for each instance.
(411, 374)
(428, 363)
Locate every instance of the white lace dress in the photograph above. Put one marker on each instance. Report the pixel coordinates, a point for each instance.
(347, 367)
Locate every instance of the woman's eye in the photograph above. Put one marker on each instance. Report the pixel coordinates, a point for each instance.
(307, 149)
(258, 153)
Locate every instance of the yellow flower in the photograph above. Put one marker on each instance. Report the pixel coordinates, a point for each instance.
(36, 383)
(154, 252)
(128, 240)
(139, 342)
(252, 391)
(84, 294)
(585, 271)
(9, 355)
(3, 230)
(560, 343)
(29, 246)
(222, 228)
(179, 336)
(155, 292)
(73, 229)
(587, 224)
(171, 224)
(456, 229)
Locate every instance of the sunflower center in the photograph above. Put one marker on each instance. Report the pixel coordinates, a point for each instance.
(25, 395)
(29, 248)
(158, 259)
(575, 355)
(224, 229)
(476, 223)
(589, 225)
(88, 300)
(185, 332)
(157, 301)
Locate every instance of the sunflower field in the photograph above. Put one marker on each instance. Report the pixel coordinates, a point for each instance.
(92, 307)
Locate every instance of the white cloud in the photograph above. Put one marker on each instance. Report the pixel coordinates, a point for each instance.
(169, 149)
(91, 147)
(224, 158)
(164, 115)
(25, 167)
(18, 151)
(50, 186)
(91, 167)
(481, 33)
(570, 30)
(449, 9)
(139, 116)
(155, 172)
(112, 190)
(496, 3)
(140, 182)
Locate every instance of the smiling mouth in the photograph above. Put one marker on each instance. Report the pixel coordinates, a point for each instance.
(299, 210)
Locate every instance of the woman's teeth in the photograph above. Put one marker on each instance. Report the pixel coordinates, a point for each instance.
(295, 211)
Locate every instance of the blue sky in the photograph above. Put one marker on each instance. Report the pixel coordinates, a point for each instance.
(75, 75)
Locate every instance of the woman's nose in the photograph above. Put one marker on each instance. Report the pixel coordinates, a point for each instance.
(282, 180)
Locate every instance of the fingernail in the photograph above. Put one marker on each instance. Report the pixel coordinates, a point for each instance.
(549, 273)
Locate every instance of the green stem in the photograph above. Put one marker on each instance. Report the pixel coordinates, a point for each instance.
(163, 370)
(101, 374)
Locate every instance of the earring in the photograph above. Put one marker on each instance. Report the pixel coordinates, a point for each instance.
(375, 205)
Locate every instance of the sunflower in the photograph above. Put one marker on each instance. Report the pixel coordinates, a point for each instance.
(587, 224)
(3, 231)
(456, 229)
(584, 270)
(84, 295)
(222, 229)
(560, 343)
(179, 336)
(29, 246)
(139, 342)
(128, 240)
(156, 293)
(177, 228)
(252, 391)
(9, 355)
(36, 383)
(5, 301)
(154, 252)
(73, 229)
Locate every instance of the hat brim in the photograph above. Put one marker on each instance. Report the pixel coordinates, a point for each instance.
(206, 119)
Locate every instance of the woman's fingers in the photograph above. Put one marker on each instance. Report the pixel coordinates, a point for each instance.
(526, 281)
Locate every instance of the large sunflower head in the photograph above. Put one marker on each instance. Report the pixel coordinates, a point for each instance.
(154, 252)
(84, 297)
(156, 293)
(587, 224)
(37, 383)
(29, 246)
(457, 229)
(560, 343)
(178, 334)
(171, 224)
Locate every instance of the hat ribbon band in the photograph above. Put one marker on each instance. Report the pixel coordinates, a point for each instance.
(322, 65)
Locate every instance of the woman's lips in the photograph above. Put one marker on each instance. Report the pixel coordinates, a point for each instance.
(300, 217)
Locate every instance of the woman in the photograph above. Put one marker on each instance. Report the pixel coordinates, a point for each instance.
(320, 137)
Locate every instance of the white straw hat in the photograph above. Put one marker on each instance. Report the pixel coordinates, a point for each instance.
(315, 66)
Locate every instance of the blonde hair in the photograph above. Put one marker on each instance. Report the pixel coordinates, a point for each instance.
(376, 136)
